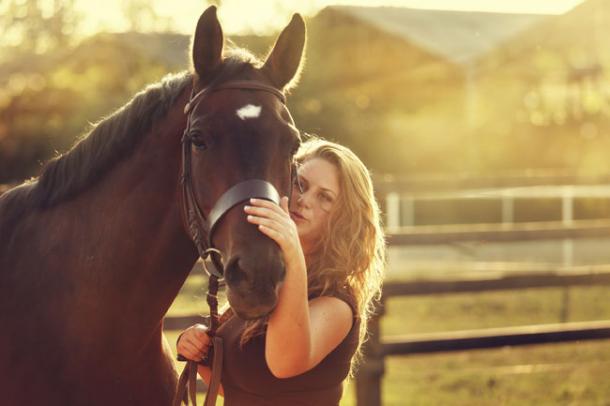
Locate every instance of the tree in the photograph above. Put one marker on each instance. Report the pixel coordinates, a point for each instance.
(36, 26)
(141, 16)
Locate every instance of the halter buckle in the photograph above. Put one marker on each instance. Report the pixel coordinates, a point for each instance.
(208, 263)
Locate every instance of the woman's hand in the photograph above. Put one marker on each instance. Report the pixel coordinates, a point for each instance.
(274, 221)
(194, 343)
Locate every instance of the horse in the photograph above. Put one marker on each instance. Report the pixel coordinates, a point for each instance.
(94, 251)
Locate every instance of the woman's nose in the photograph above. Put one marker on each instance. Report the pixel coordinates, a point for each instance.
(303, 199)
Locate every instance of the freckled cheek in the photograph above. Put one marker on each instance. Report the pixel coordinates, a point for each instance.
(321, 217)
(315, 227)
(303, 232)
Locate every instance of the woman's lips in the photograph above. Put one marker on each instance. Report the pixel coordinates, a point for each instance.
(296, 216)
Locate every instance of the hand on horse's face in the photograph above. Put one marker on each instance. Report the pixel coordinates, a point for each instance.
(296, 226)
(194, 343)
(274, 221)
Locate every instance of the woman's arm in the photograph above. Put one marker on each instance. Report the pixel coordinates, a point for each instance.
(300, 333)
(296, 344)
(194, 344)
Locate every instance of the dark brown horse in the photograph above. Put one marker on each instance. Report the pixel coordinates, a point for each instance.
(95, 250)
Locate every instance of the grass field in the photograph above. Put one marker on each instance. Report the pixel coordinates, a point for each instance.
(554, 374)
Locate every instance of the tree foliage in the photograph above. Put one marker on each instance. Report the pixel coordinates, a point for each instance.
(36, 25)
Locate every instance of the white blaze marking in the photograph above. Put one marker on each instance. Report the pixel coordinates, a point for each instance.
(249, 111)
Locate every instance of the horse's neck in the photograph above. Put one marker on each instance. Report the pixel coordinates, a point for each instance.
(135, 254)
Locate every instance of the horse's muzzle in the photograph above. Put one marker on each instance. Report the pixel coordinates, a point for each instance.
(253, 286)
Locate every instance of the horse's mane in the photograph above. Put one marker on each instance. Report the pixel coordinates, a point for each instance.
(108, 142)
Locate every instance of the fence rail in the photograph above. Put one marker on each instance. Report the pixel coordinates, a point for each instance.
(505, 281)
(390, 183)
(495, 337)
(448, 234)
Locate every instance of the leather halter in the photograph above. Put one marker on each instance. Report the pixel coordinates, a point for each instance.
(234, 84)
(197, 224)
(199, 227)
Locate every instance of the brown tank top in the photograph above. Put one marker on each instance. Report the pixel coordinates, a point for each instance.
(246, 379)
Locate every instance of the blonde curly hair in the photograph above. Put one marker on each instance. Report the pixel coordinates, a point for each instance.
(350, 255)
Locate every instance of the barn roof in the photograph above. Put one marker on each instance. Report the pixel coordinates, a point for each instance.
(458, 36)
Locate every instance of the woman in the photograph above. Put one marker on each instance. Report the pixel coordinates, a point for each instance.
(334, 252)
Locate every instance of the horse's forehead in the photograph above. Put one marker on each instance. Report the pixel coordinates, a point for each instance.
(238, 100)
(251, 107)
(230, 101)
(249, 111)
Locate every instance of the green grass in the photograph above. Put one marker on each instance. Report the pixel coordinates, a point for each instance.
(464, 311)
(552, 374)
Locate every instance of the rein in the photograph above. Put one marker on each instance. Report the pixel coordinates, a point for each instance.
(199, 227)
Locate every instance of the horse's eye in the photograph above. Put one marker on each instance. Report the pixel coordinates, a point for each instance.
(199, 141)
(200, 144)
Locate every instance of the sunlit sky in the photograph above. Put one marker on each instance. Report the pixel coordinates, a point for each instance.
(260, 16)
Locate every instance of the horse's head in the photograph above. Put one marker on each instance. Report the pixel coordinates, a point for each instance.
(241, 130)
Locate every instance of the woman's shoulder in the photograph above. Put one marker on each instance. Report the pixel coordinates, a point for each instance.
(343, 294)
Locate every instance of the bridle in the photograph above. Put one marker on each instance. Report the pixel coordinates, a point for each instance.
(197, 224)
(201, 230)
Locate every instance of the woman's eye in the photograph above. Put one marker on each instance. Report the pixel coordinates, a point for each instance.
(298, 182)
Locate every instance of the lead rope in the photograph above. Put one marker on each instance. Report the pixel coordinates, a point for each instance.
(212, 299)
(187, 384)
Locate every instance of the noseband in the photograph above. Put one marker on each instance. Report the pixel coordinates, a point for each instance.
(201, 228)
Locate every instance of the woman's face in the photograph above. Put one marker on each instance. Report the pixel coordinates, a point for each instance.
(311, 209)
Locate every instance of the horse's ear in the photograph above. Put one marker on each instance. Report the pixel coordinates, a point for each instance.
(208, 43)
(284, 61)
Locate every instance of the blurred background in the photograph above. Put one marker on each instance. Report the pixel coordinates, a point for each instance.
(484, 125)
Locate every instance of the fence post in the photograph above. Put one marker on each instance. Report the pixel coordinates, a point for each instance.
(392, 201)
(567, 218)
(508, 208)
(372, 368)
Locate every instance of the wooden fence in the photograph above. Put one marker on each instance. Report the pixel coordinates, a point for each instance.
(368, 381)
(506, 199)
